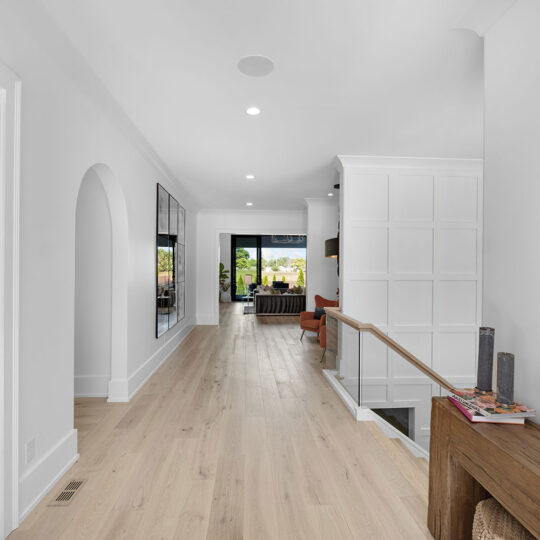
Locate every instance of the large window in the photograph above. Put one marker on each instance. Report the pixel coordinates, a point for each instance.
(263, 259)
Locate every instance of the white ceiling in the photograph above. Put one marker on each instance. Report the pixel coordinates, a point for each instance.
(375, 77)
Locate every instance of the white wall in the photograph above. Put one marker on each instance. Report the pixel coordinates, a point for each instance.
(411, 234)
(225, 258)
(210, 223)
(321, 273)
(69, 123)
(93, 289)
(512, 192)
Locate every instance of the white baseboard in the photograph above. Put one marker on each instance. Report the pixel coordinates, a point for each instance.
(143, 373)
(92, 385)
(363, 414)
(123, 391)
(207, 321)
(330, 376)
(46, 471)
(392, 433)
(118, 391)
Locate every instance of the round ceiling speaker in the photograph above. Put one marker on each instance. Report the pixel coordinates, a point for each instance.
(256, 66)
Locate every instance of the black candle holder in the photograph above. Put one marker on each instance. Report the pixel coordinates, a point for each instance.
(505, 378)
(485, 359)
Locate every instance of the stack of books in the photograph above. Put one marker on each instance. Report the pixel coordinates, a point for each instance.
(483, 407)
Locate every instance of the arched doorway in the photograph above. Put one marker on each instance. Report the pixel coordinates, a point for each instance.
(101, 264)
(93, 289)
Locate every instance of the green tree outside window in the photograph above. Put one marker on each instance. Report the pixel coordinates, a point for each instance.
(240, 287)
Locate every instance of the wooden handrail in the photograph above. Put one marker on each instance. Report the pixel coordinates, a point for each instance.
(336, 313)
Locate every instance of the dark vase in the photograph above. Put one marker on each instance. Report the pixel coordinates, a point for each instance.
(505, 378)
(485, 359)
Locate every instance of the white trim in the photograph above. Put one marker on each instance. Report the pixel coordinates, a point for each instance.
(15, 300)
(3, 461)
(91, 386)
(121, 391)
(9, 299)
(207, 321)
(472, 165)
(299, 211)
(392, 433)
(321, 201)
(38, 478)
(363, 414)
(330, 376)
(118, 391)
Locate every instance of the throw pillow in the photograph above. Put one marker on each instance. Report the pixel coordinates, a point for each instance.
(319, 312)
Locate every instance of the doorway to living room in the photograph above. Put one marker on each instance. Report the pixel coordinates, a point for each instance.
(267, 260)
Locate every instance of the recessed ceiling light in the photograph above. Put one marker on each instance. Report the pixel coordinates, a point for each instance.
(250, 177)
(330, 194)
(249, 204)
(255, 65)
(253, 111)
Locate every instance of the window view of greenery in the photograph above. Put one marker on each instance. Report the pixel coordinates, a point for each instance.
(165, 265)
(246, 269)
(278, 264)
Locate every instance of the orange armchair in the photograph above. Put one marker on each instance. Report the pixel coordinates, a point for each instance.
(322, 332)
(307, 318)
(322, 335)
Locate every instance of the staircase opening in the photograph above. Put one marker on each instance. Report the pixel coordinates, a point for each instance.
(401, 418)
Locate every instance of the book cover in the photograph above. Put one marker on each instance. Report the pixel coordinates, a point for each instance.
(487, 404)
(473, 416)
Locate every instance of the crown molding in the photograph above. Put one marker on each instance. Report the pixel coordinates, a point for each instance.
(344, 162)
(322, 201)
(249, 211)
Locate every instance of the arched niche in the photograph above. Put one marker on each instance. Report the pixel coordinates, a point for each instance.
(118, 278)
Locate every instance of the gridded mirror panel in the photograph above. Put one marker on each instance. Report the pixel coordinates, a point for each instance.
(163, 211)
(173, 217)
(170, 262)
(181, 226)
(181, 263)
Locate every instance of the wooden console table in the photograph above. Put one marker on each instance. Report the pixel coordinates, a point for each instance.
(470, 462)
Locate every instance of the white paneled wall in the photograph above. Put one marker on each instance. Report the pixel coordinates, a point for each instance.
(411, 263)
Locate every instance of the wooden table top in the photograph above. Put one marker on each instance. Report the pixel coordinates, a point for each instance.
(520, 441)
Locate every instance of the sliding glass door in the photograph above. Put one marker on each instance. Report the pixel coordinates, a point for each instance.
(246, 264)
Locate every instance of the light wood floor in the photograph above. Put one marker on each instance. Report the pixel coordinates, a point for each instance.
(237, 435)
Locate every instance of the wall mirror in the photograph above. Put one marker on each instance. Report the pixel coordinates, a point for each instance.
(170, 261)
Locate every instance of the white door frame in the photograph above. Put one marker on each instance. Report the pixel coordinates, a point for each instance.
(10, 117)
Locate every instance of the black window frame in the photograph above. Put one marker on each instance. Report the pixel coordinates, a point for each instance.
(234, 238)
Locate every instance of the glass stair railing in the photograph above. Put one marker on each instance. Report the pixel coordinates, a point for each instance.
(381, 376)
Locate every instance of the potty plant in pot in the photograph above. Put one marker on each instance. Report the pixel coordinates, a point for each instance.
(224, 283)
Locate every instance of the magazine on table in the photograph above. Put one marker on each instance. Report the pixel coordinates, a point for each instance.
(487, 405)
(474, 416)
